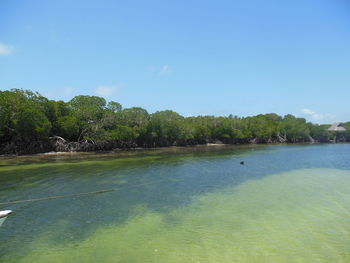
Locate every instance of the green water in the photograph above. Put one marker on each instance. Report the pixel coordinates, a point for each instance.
(286, 204)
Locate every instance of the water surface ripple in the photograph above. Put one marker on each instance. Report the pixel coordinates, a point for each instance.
(286, 204)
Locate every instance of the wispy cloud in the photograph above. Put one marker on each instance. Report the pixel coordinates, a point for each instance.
(104, 90)
(317, 116)
(6, 49)
(164, 70)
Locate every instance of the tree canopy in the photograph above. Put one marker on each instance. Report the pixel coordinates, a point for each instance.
(27, 116)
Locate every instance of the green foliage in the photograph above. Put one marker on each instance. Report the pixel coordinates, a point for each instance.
(202, 127)
(346, 125)
(87, 109)
(295, 129)
(114, 106)
(166, 124)
(320, 132)
(23, 116)
(26, 115)
(88, 112)
(68, 126)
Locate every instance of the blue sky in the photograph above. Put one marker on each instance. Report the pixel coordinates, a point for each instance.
(194, 57)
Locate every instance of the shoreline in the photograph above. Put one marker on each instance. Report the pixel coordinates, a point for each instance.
(134, 150)
(158, 149)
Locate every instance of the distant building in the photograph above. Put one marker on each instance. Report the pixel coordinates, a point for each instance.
(338, 127)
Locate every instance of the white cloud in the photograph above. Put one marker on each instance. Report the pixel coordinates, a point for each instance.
(106, 90)
(318, 117)
(6, 49)
(164, 70)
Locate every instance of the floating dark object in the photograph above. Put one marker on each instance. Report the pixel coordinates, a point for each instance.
(241, 162)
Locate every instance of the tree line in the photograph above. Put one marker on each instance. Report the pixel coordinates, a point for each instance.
(32, 123)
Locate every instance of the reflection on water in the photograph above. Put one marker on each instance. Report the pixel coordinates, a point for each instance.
(287, 204)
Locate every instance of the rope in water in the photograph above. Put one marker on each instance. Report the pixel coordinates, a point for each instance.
(73, 195)
(56, 197)
(78, 194)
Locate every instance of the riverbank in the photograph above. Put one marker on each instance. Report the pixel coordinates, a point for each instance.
(57, 147)
(60, 146)
(149, 150)
(129, 150)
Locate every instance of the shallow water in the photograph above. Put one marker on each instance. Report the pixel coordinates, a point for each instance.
(286, 204)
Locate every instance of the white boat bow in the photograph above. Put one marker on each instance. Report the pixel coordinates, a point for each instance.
(3, 215)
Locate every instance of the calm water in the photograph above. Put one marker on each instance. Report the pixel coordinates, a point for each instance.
(286, 204)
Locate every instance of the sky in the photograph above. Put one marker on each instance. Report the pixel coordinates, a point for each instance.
(195, 57)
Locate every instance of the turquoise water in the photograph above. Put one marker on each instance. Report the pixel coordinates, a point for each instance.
(286, 204)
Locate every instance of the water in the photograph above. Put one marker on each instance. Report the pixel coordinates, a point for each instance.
(286, 204)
